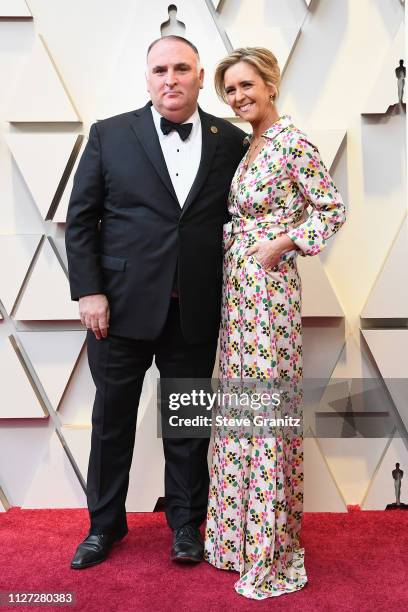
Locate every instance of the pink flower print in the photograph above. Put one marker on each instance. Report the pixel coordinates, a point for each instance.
(257, 297)
(259, 441)
(223, 485)
(221, 528)
(294, 358)
(269, 495)
(299, 232)
(324, 183)
(256, 462)
(259, 274)
(294, 171)
(288, 291)
(314, 162)
(253, 484)
(313, 250)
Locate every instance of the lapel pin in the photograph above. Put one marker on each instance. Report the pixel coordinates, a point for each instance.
(214, 129)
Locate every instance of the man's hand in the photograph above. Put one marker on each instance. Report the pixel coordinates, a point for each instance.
(94, 313)
(269, 252)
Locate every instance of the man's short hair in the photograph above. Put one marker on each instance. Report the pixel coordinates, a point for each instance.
(173, 37)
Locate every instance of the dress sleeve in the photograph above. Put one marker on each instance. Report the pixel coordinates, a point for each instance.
(313, 181)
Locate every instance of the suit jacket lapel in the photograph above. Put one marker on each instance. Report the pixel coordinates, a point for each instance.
(209, 134)
(144, 129)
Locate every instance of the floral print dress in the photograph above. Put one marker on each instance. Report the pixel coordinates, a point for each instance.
(256, 489)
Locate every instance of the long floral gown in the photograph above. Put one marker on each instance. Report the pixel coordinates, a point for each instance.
(256, 488)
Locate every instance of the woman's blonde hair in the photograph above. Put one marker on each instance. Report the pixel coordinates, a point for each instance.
(263, 60)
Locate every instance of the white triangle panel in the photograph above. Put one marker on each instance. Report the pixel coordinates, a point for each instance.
(308, 3)
(78, 440)
(46, 296)
(320, 491)
(14, 8)
(21, 448)
(60, 215)
(318, 297)
(389, 296)
(352, 463)
(381, 491)
(76, 405)
(16, 254)
(216, 4)
(249, 29)
(385, 90)
(42, 160)
(53, 356)
(19, 400)
(322, 345)
(354, 362)
(389, 347)
(125, 87)
(55, 484)
(146, 486)
(40, 95)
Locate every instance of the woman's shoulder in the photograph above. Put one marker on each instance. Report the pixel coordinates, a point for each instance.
(295, 138)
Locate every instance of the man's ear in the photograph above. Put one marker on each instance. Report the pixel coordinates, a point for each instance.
(201, 77)
(147, 81)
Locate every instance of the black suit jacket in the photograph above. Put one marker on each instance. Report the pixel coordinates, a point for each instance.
(126, 232)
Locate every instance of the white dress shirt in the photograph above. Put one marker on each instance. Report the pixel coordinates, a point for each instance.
(182, 157)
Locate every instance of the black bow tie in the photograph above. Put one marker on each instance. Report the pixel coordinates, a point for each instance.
(184, 129)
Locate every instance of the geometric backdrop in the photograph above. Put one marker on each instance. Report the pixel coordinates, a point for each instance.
(70, 63)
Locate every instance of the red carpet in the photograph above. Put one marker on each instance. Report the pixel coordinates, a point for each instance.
(356, 561)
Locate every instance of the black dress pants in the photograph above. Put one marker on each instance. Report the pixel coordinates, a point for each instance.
(118, 366)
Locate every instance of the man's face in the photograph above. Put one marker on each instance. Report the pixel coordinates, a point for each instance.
(174, 79)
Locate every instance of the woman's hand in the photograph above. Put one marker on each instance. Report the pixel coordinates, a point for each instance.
(269, 252)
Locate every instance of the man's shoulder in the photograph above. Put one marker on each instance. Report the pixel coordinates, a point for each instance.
(226, 126)
(117, 121)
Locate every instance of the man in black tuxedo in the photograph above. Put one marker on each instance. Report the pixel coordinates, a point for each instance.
(144, 245)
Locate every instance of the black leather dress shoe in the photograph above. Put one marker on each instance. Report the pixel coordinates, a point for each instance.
(188, 545)
(94, 549)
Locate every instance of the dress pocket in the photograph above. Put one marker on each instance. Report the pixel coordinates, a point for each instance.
(271, 273)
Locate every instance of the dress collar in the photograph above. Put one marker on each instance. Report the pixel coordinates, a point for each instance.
(278, 126)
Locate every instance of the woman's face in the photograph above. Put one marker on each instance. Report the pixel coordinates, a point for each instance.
(247, 93)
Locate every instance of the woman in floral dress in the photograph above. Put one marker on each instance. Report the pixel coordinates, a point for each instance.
(256, 490)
